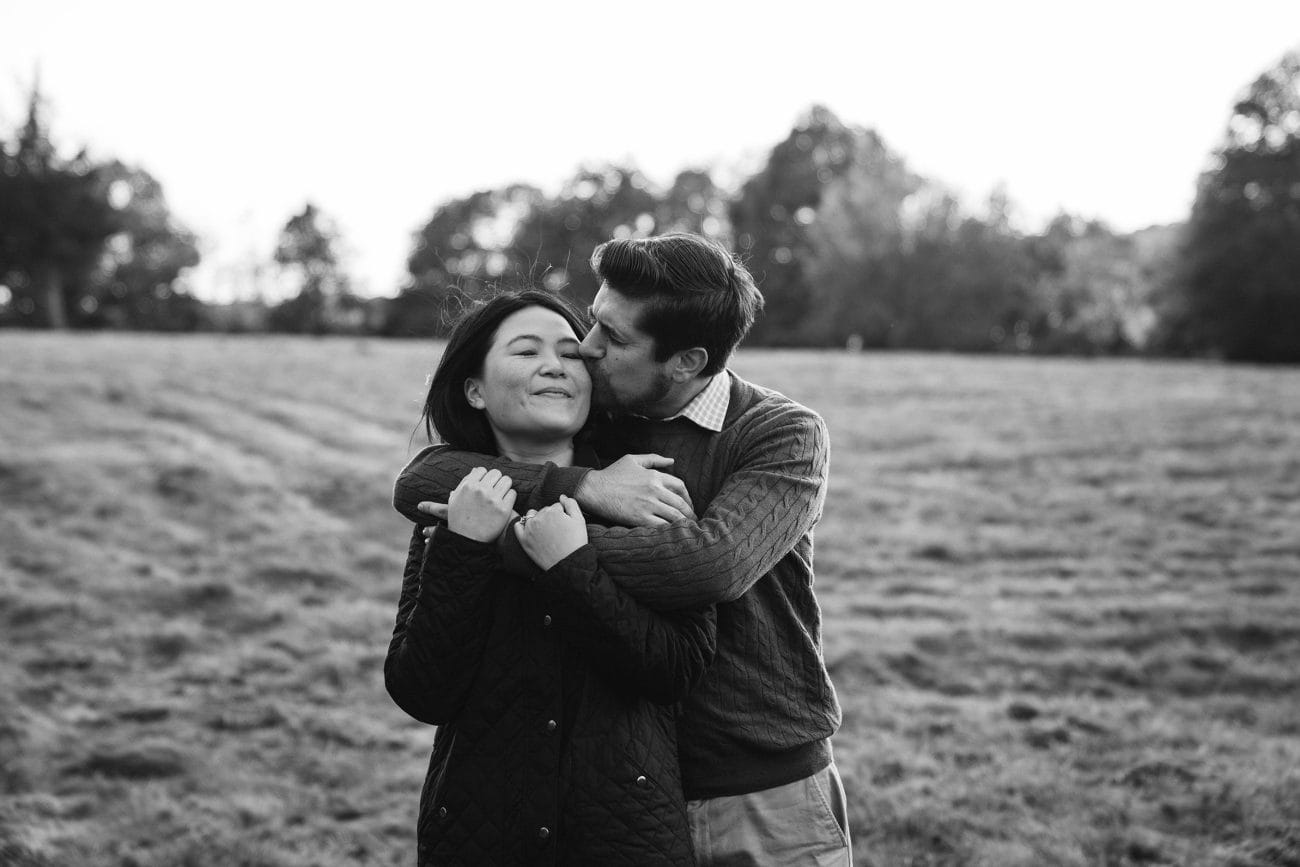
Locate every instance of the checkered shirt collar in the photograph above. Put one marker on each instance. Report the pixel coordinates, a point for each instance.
(708, 409)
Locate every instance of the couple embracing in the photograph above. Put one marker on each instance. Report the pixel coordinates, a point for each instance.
(607, 607)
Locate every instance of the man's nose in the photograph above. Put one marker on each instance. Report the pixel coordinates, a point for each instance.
(588, 348)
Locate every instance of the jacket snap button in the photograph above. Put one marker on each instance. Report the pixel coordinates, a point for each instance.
(551, 725)
(543, 832)
(642, 781)
(442, 812)
(546, 621)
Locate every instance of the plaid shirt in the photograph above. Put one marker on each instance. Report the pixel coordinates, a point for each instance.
(708, 409)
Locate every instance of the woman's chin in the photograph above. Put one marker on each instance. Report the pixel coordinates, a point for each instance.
(559, 429)
(562, 419)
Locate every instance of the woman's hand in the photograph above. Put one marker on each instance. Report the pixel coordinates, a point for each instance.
(482, 505)
(553, 533)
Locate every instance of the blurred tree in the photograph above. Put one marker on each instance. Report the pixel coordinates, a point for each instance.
(598, 203)
(863, 186)
(1100, 295)
(516, 236)
(966, 284)
(468, 245)
(1240, 285)
(696, 204)
(324, 302)
(856, 241)
(55, 216)
(138, 282)
(471, 241)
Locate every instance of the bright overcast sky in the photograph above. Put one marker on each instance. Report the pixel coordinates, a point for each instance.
(379, 111)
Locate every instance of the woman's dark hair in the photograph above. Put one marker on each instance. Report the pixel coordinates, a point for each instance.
(447, 413)
(696, 293)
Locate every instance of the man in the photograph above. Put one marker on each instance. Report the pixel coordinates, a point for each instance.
(754, 738)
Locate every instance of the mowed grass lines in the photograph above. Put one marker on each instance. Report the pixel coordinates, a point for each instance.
(1060, 603)
(1062, 606)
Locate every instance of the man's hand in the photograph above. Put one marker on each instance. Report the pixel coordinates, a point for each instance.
(634, 493)
(553, 533)
(481, 505)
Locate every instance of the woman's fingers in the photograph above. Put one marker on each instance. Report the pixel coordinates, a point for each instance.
(492, 485)
(437, 510)
(553, 533)
(558, 513)
(490, 480)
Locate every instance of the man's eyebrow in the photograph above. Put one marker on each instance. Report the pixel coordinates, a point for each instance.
(591, 311)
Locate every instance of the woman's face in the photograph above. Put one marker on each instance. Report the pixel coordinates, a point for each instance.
(534, 387)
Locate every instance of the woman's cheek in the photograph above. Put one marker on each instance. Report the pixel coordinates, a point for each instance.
(581, 376)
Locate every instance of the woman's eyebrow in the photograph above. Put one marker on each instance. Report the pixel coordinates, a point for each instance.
(539, 339)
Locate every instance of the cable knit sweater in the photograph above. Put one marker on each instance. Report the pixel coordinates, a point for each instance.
(765, 711)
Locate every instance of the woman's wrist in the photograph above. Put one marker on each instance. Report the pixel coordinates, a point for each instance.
(475, 531)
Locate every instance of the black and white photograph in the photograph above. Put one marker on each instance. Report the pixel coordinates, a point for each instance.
(577, 434)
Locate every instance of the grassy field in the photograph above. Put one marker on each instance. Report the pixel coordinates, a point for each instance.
(1062, 604)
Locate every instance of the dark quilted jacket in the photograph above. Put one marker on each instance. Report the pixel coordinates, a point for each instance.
(554, 700)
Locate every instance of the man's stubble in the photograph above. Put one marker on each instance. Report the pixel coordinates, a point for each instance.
(605, 397)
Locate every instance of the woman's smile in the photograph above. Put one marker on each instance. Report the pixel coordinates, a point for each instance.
(553, 391)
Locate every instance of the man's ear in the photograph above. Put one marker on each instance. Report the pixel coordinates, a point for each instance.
(687, 363)
(474, 393)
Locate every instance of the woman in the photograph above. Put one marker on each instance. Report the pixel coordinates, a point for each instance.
(552, 692)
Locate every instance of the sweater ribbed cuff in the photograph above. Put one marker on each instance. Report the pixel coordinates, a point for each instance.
(555, 481)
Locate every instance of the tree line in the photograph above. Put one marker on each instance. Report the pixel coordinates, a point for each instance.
(851, 247)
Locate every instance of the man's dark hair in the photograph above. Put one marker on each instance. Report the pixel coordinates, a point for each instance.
(697, 293)
(447, 413)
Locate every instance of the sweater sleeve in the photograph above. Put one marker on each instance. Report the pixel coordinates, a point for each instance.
(436, 471)
(443, 619)
(772, 497)
(659, 656)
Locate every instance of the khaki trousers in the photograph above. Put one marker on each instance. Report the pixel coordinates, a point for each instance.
(800, 823)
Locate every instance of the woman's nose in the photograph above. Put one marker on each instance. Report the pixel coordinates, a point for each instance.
(552, 365)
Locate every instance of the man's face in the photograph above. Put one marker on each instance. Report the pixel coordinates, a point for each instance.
(620, 357)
